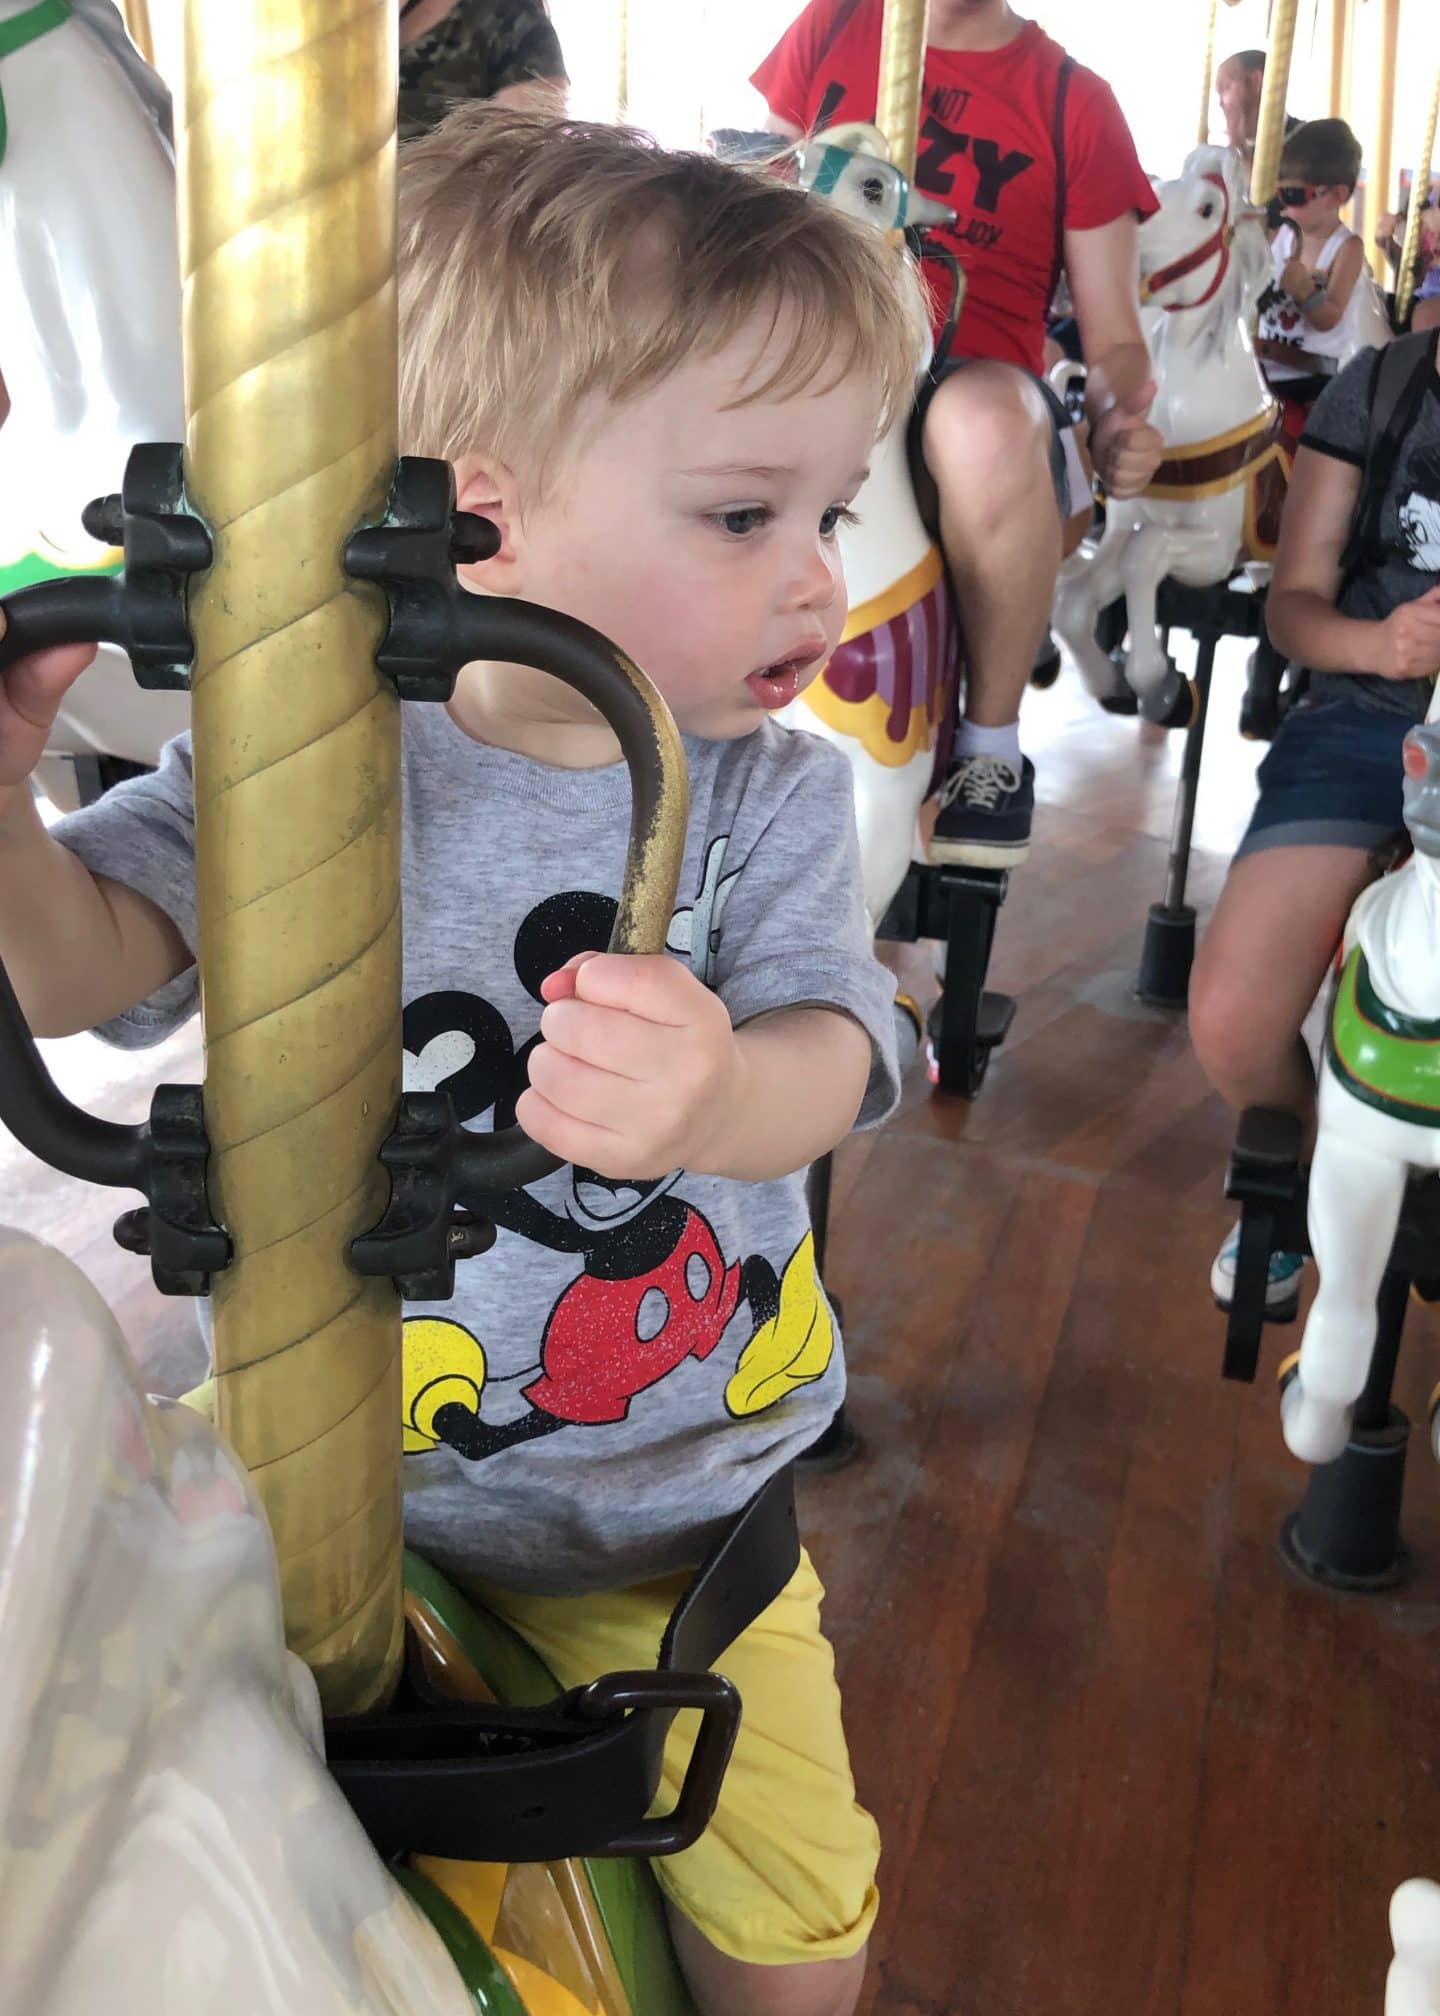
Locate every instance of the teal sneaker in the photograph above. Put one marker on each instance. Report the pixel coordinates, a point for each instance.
(1282, 1289)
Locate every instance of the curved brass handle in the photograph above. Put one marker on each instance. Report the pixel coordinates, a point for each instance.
(521, 633)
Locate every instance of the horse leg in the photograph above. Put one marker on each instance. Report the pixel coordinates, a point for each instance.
(1146, 563)
(1089, 581)
(1355, 1198)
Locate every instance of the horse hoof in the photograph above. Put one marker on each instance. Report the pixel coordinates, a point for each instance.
(1175, 705)
(1314, 1430)
(1120, 702)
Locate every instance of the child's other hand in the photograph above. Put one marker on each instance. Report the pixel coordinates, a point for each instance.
(30, 694)
(1296, 280)
(1409, 639)
(639, 1068)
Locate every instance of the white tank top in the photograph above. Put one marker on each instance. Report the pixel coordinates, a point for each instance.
(1364, 324)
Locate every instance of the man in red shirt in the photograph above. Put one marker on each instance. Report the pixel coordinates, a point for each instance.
(1033, 154)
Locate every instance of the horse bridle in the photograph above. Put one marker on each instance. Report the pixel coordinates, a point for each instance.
(1218, 241)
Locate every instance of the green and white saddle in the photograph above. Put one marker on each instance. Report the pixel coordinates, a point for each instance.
(1389, 1060)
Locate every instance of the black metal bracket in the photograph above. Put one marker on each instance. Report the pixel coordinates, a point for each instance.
(142, 610)
(412, 553)
(165, 1159)
(959, 907)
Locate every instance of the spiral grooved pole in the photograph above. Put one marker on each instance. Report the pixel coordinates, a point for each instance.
(1419, 191)
(287, 166)
(902, 72)
(1208, 79)
(1270, 134)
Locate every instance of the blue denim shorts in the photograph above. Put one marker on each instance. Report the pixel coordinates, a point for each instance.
(1333, 777)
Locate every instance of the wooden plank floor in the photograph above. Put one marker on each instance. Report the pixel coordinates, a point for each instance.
(1123, 1765)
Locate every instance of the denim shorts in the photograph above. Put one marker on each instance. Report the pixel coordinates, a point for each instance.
(1333, 777)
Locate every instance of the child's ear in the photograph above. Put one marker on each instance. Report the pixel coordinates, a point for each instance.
(485, 486)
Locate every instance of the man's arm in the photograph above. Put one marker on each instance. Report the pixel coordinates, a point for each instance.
(1103, 268)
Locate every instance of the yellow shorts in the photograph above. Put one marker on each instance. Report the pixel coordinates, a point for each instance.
(786, 1869)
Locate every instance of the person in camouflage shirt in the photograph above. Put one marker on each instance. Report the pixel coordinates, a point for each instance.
(501, 49)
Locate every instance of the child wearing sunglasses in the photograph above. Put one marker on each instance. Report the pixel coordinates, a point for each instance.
(1320, 308)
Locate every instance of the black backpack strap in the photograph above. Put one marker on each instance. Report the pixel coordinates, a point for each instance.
(1062, 172)
(839, 22)
(1401, 372)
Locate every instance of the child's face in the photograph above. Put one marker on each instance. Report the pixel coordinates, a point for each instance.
(1321, 202)
(701, 536)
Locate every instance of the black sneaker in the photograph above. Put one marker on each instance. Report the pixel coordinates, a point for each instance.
(985, 811)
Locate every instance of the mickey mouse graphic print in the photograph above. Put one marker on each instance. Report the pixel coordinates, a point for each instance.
(629, 1362)
(1409, 528)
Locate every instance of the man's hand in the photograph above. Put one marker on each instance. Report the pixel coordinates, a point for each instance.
(31, 691)
(639, 1072)
(1125, 448)
(1408, 640)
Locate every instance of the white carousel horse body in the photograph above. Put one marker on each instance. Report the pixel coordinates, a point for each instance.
(89, 322)
(1367, 1146)
(170, 1840)
(1211, 392)
(882, 698)
(1412, 1987)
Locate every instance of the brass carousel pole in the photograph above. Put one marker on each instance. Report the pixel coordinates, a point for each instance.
(1341, 12)
(1419, 191)
(1270, 134)
(137, 27)
(287, 162)
(902, 73)
(1208, 78)
(1382, 155)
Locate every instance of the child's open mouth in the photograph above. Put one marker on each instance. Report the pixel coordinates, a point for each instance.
(778, 684)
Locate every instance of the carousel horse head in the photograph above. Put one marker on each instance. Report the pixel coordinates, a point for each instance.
(851, 167)
(1206, 243)
(169, 1837)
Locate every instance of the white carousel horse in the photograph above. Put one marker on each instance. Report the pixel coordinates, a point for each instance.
(1379, 1115)
(89, 320)
(170, 1840)
(1204, 262)
(1412, 1987)
(883, 696)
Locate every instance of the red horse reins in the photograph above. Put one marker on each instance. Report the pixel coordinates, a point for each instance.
(1218, 241)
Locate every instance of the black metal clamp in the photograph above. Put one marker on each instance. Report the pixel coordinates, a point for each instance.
(442, 1175)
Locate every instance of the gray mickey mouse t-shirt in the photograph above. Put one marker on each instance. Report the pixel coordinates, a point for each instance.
(631, 1361)
(1409, 526)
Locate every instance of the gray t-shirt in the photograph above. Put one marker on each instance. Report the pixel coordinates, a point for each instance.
(643, 1355)
(1409, 525)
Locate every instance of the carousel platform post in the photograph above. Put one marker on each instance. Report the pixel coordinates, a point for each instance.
(287, 237)
(1168, 951)
(1345, 1534)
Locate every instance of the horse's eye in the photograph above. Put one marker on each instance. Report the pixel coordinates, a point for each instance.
(1207, 210)
(873, 189)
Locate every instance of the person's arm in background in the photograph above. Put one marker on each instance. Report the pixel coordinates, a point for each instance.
(1301, 614)
(1323, 302)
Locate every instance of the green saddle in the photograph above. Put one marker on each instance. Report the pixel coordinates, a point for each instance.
(1390, 1061)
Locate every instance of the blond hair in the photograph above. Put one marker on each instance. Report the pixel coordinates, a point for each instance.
(543, 262)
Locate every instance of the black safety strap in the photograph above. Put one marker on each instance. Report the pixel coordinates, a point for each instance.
(576, 1777)
(1062, 173)
(1403, 369)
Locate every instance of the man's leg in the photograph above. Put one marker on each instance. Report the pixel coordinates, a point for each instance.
(987, 442)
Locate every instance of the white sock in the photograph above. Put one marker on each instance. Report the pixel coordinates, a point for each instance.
(972, 740)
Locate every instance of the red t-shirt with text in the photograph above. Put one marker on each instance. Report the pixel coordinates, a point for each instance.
(987, 123)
